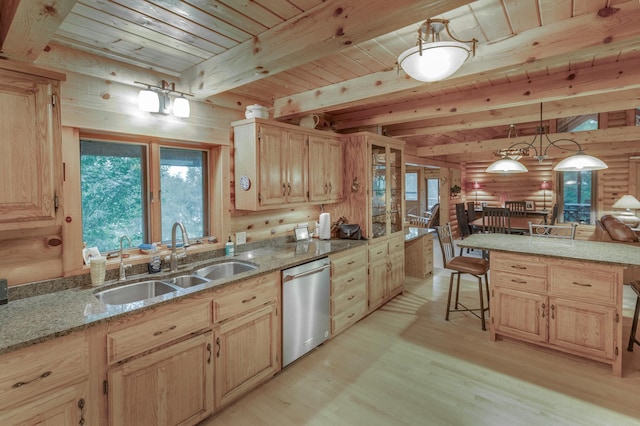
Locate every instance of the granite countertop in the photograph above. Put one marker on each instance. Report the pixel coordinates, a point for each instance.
(595, 251)
(411, 233)
(35, 319)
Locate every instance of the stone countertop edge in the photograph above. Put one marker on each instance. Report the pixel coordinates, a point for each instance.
(33, 320)
(593, 251)
(413, 233)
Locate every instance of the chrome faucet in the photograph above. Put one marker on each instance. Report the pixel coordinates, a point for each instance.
(123, 267)
(173, 259)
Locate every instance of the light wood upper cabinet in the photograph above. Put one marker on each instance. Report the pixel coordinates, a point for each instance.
(278, 163)
(30, 149)
(325, 172)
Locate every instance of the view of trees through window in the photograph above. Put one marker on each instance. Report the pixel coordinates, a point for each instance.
(114, 188)
(112, 177)
(411, 186)
(183, 191)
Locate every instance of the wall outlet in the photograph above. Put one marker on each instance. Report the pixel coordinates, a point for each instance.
(241, 238)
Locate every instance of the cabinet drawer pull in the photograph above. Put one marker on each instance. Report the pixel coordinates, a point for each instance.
(553, 312)
(218, 345)
(351, 316)
(351, 298)
(351, 263)
(351, 279)
(513, 280)
(543, 309)
(284, 189)
(42, 376)
(210, 353)
(289, 186)
(157, 333)
(249, 300)
(581, 284)
(520, 267)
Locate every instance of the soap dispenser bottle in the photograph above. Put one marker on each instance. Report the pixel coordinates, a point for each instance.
(229, 249)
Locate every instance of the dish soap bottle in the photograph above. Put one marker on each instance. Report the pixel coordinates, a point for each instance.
(229, 249)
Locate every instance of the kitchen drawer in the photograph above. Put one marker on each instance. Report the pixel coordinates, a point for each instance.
(396, 244)
(525, 265)
(346, 299)
(151, 329)
(347, 261)
(518, 281)
(42, 368)
(348, 317)
(348, 280)
(237, 298)
(582, 283)
(378, 252)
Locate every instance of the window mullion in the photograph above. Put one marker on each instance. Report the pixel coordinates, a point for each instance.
(153, 194)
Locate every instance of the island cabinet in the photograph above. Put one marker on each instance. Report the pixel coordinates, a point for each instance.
(386, 270)
(247, 336)
(325, 171)
(568, 305)
(348, 288)
(160, 366)
(31, 146)
(48, 385)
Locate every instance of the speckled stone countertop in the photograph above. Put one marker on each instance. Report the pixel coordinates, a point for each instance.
(603, 252)
(411, 233)
(35, 319)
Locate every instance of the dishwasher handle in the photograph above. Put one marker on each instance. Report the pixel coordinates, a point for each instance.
(305, 273)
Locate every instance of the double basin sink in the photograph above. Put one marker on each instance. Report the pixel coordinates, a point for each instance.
(144, 290)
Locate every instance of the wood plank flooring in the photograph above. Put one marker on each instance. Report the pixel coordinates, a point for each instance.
(405, 365)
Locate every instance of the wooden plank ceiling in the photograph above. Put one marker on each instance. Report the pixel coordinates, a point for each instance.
(338, 58)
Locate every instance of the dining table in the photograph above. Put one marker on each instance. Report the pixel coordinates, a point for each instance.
(517, 223)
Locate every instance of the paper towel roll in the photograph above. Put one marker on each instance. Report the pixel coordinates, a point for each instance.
(325, 226)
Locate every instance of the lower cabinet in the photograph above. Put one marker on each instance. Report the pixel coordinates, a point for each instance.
(247, 336)
(246, 353)
(171, 386)
(573, 306)
(386, 271)
(348, 288)
(47, 385)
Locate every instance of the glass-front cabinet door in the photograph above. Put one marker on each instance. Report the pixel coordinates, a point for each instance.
(386, 190)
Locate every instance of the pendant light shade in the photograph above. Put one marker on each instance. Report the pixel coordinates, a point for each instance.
(580, 162)
(433, 59)
(507, 165)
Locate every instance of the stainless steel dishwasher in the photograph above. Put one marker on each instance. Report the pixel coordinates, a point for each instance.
(305, 308)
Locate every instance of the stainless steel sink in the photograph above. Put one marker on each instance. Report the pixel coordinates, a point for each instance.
(134, 292)
(225, 269)
(186, 281)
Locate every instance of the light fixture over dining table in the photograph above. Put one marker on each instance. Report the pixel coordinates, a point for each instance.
(433, 59)
(575, 163)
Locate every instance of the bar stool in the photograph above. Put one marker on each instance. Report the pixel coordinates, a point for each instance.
(634, 325)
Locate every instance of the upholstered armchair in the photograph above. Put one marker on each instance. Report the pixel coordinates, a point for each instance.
(611, 229)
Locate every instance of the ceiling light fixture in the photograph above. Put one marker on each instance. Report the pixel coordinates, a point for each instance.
(156, 99)
(508, 162)
(576, 163)
(433, 59)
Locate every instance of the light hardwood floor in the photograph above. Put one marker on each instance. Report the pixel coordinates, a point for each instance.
(405, 365)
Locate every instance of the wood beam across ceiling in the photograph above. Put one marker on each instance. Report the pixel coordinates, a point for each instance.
(27, 26)
(558, 86)
(543, 46)
(330, 26)
(613, 135)
(602, 102)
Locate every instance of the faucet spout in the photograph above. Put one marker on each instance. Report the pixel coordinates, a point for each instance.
(173, 259)
(123, 267)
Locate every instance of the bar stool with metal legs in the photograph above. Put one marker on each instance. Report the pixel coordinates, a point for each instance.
(463, 265)
(634, 325)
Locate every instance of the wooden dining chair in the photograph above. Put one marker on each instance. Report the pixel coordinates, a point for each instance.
(496, 220)
(516, 208)
(474, 266)
(567, 232)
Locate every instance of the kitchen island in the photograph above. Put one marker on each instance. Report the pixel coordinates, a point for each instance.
(561, 294)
